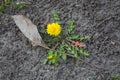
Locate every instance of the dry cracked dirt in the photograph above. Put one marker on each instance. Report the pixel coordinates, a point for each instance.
(100, 19)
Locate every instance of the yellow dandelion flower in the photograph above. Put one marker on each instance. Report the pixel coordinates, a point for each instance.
(53, 29)
(50, 57)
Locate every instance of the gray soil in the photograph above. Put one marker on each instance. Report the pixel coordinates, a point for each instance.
(100, 19)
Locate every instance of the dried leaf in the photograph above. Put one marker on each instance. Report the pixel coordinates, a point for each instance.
(78, 44)
(29, 30)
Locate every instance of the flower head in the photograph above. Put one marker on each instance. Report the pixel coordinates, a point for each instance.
(53, 29)
(50, 57)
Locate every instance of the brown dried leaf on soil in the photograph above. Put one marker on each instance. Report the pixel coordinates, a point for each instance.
(29, 30)
(77, 44)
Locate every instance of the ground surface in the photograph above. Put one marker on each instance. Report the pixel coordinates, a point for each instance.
(19, 60)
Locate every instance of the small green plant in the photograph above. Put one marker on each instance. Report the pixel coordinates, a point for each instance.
(2, 8)
(63, 43)
(19, 5)
(55, 17)
(115, 77)
(6, 4)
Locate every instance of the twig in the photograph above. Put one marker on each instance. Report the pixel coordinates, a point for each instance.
(96, 68)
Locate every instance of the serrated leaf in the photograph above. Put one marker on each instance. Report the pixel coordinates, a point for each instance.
(70, 26)
(2, 8)
(73, 36)
(76, 55)
(87, 37)
(19, 5)
(54, 61)
(84, 37)
(29, 30)
(45, 61)
(55, 17)
(81, 50)
(84, 52)
(115, 77)
(50, 52)
(64, 57)
(7, 1)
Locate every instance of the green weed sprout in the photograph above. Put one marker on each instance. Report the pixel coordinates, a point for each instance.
(63, 43)
(6, 4)
(19, 5)
(115, 77)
